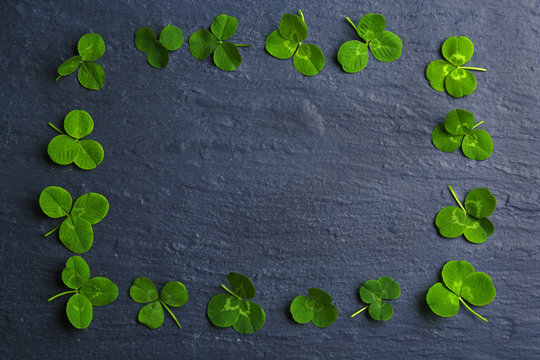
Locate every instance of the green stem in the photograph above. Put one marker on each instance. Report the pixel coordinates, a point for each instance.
(230, 292)
(471, 310)
(472, 68)
(62, 293)
(359, 311)
(352, 24)
(57, 129)
(481, 122)
(170, 312)
(59, 76)
(457, 200)
(53, 230)
(301, 15)
(243, 45)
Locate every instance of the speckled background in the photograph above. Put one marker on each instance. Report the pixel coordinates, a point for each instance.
(296, 182)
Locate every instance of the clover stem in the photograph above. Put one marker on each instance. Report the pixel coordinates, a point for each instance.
(457, 200)
(171, 313)
(62, 293)
(471, 310)
(301, 15)
(53, 230)
(352, 24)
(57, 129)
(472, 68)
(59, 76)
(243, 45)
(359, 311)
(230, 292)
(481, 122)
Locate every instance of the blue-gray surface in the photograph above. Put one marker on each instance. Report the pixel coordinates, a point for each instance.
(296, 182)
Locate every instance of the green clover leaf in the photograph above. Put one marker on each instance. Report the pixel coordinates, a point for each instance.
(458, 130)
(68, 147)
(76, 229)
(234, 309)
(470, 220)
(98, 291)
(171, 38)
(226, 55)
(373, 292)
(461, 282)
(317, 308)
(173, 294)
(287, 41)
(91, 75)
(451, 75)
(384, 45)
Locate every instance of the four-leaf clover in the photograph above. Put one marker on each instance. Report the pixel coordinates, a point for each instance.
(76, 229)
(143, 290)
(283, 43)
(384, 45)
(91, 75)
(68, 148)
(373, 292)
(458, 130)
(469, 220)
(171, 38)
(98, 291)
(451, 75)
(317, 308)
(461, 283)
(226, 55)
(234, 309)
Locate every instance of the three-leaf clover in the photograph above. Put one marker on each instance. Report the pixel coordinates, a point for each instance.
(98, 291)
(469, 220)
(76, 229)
(461, 283)
(373, 292)
(234, 309)
(68, 148)
(91, 75)
(384, 45)
(450, 75)
(459, 129)
(143, 290)
(171, 38)
(226, 55)
(283, 43)
(317, 308)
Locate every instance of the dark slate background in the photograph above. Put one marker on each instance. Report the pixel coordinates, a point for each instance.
(296, 182)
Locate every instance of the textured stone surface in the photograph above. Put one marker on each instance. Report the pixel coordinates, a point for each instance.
(296, 182)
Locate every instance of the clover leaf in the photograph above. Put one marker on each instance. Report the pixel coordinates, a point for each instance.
(461, 283)
(451, 75)
(384, 45)
(234, 309)
(173, 294)
(469, 220)
(76, 229)
(68, 147)
(91, 75)
(373, 292)
(171, 38)
(226, 55)
(288, 41)
(98, 291)
(458, 130)
(317, 308)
